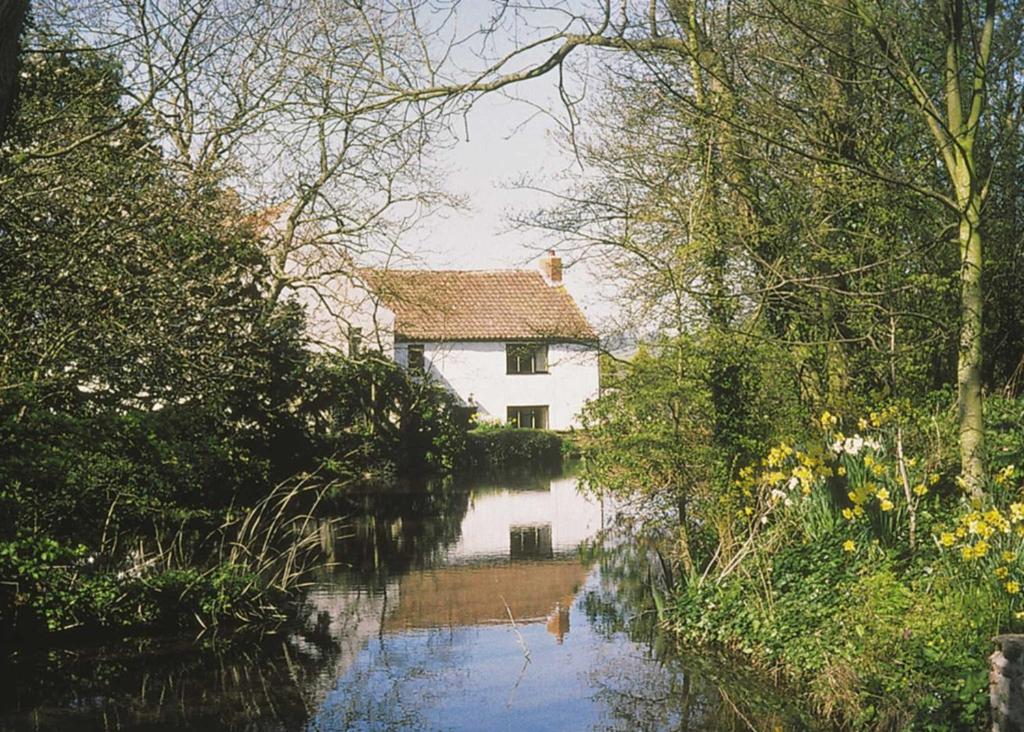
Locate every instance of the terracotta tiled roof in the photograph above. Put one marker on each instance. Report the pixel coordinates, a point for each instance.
(448, 305)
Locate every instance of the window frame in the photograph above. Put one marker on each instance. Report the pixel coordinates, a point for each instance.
(421, 367)
(537, 355)
(541, 413)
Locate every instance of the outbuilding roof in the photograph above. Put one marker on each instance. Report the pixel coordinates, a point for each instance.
(453, 305)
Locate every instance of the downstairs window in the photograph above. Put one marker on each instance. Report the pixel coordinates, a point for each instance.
(534, 417)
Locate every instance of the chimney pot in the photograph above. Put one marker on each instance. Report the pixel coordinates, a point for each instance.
(551, 268)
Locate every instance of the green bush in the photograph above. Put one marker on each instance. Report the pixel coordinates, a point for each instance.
(499, 449)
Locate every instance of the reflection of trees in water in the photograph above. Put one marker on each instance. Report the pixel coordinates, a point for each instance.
(391, 687)
(667, 689)
(622, 602)
(399, 528)
(166, 685)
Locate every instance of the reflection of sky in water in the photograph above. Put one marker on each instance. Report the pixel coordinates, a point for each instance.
(477, 677)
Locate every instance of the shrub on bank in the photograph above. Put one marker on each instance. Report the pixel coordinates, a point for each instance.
(499, 448)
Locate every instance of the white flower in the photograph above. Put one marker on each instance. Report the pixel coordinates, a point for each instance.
(777, 494)
(853, 445)
(873, 443)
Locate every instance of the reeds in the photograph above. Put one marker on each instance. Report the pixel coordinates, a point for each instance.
(251, 565)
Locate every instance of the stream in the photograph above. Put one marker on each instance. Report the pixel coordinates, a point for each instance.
(494, 605)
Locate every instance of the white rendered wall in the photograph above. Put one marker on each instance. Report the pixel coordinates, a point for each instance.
(477, 369)
(352, 306)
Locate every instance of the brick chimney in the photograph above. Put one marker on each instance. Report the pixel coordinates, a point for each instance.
(551, 268)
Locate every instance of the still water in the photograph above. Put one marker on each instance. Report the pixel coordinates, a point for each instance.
(507, 605)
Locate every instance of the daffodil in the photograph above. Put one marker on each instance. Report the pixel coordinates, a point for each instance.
(849, 546)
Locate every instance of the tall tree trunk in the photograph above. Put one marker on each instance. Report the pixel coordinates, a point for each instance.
(12, 18)
(969, 361)
(955, 130)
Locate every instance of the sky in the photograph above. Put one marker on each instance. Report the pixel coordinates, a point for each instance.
(504, 140)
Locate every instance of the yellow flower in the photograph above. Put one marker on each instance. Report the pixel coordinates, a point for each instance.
(947, 539)
(862, 423)
(848, 514)
(859, 511)
(849, 546)
(1004, 475)
(1013, 587)
(1009, 557)
(1001, 572)
(975, 552)
(886, 505)
(841, 470)
(748, 511)
(920, 489)
(933, 479)
(1016, 512)
(882, 494)
(1019, 615)
(828, 419)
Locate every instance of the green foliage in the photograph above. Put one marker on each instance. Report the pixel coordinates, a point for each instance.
(830, 595)
(664, 430)
(874, 644)
(371, 411)
(151, 389)
(495, 449)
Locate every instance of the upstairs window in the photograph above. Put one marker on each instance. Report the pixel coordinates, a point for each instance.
(526, 358)
(416, 363)
(534, 418)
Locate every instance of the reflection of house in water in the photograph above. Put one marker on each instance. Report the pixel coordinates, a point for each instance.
(490, 526)
(558, 622)
(530, 542)
(516, 553)
(483, 595)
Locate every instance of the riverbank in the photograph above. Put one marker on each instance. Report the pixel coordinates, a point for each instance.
(861, 574)
(866, 642)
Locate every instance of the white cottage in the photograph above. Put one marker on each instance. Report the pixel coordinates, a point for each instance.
(512, 344)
